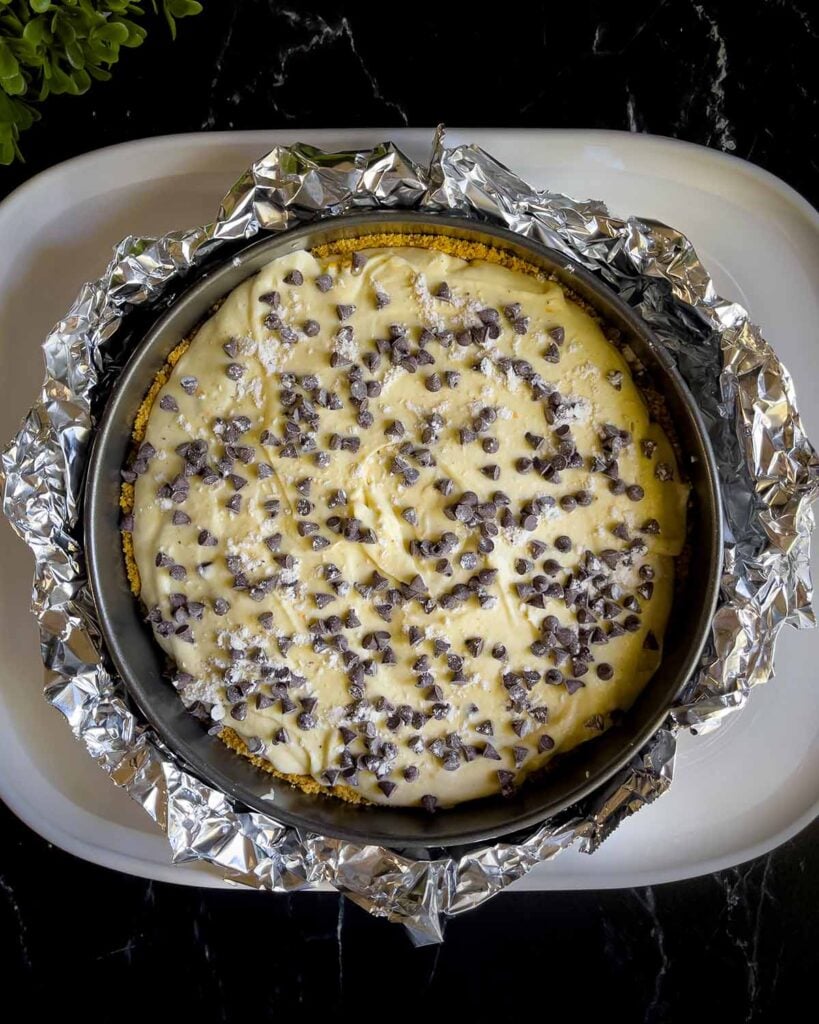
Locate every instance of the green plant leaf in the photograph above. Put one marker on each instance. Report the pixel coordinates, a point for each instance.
(183, 8)
(75, 55)
(8, 62)
(111, 32)
(179, 9)
(61, 82)
(14, 85)
(7, 152)
(37, 32)
(82, 80)
(136, 33)
(63, 29)
(63, 46)
(100, 74)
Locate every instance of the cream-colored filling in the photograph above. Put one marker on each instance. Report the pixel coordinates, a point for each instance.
(585, 376)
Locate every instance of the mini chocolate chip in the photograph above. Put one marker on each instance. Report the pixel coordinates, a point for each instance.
(347, 735)
(168, 403)
(311, 328)
(147, 451)
(650, 643)
(552, 354)
(635, 492)
(488, 316)
(445, 486)
(466, 436)
(324, 282)
(295, 277)
(604, 670)
(648, 448)
(519, 754)
(239, 711)
(544, 743)
(357, 262)
(429, 803)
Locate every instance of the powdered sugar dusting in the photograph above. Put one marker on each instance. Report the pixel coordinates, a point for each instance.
(574, 409)
(345, 345)
(270, 352)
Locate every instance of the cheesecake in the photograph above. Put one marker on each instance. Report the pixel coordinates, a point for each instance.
(403, 521)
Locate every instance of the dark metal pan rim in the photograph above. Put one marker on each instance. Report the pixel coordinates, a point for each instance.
(139, 660)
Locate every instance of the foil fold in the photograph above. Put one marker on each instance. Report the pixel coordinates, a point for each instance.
(769, 475)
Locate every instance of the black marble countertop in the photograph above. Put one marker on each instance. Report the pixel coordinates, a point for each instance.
(740, 945)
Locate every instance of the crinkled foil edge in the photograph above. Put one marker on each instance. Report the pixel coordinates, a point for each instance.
(768, 467)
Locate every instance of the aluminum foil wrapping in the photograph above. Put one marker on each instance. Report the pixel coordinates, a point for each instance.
(769, 475)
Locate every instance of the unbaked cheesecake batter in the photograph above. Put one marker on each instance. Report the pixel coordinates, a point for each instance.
(404, 524)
